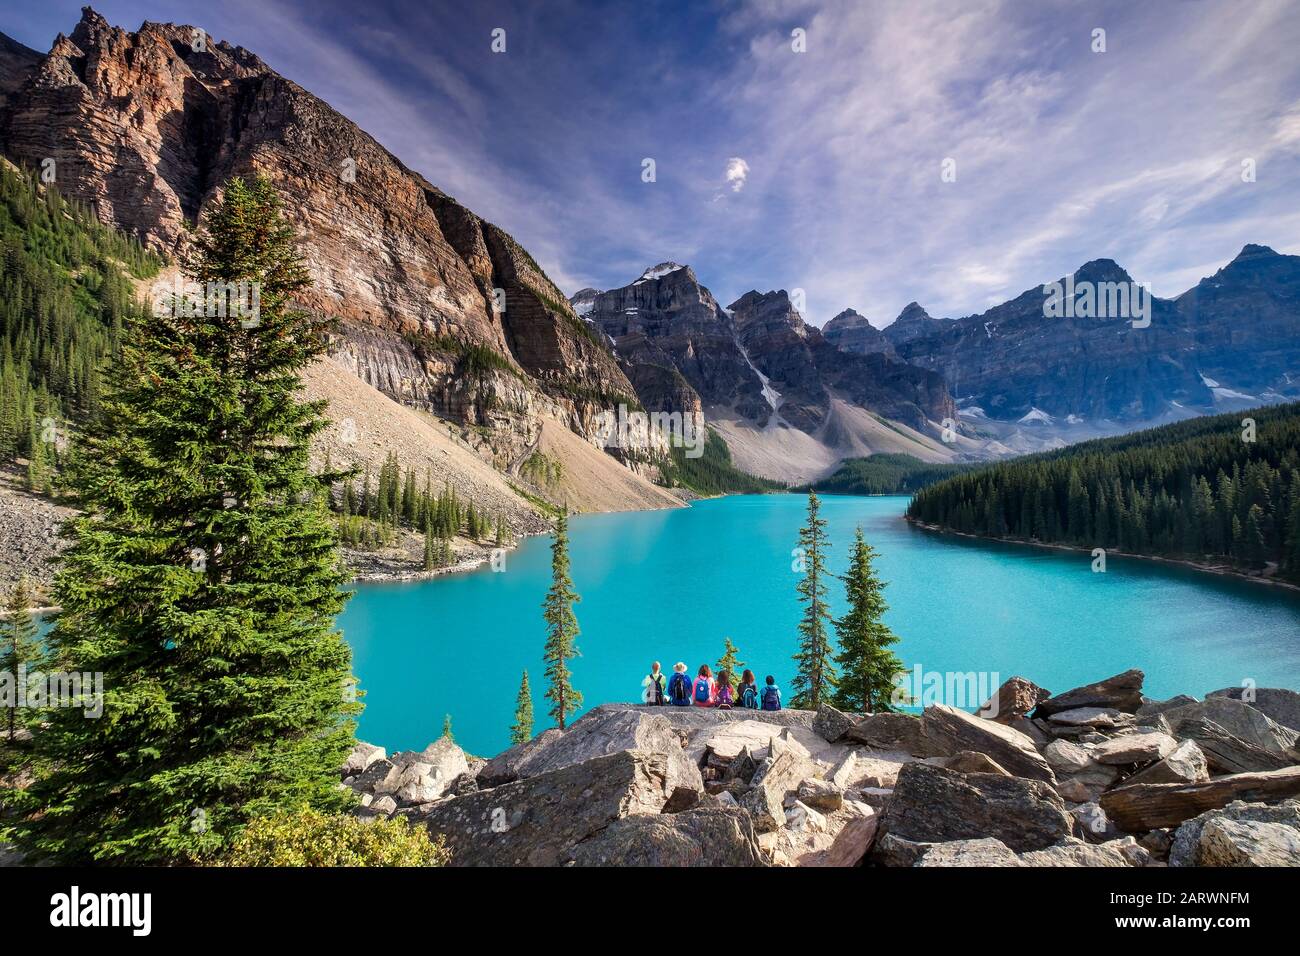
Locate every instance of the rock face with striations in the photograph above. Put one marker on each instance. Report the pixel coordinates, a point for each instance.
(851, 332)
(541, 821)
(147, 128)
(933, 805)
(757, 359)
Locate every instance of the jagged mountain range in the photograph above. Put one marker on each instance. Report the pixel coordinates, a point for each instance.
(764, 377)
(1230, 342)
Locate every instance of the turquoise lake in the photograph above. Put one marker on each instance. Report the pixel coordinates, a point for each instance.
(669, 585)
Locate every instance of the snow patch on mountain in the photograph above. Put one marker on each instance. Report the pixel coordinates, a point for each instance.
(1036, 416)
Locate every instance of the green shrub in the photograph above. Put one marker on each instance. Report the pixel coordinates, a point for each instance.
(310, 838)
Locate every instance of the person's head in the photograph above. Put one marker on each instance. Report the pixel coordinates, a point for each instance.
(654, 668)
(704, 671)
(679, 667)
(771, 681)
(724, 678)
(747, 677)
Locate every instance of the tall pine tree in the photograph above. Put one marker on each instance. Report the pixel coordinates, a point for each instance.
(522, 729)
(203, 578)
(814, 680)
(867, 664)
(561, 628)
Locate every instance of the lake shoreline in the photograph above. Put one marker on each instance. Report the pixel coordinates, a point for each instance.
(1219, 570)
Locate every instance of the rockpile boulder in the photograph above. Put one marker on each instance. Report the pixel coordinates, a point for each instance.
(1096, 776)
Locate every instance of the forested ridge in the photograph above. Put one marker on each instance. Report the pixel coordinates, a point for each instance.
(885, 474)
(1200, 490)
(65, 288)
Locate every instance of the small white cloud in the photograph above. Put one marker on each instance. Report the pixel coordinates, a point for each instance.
(737, 171)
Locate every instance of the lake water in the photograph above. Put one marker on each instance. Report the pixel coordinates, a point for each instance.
(669, 585)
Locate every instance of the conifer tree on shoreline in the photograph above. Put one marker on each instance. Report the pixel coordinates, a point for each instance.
(202, 578)
(522, 729)
(868, 666)
(561, 628)
(815, 679)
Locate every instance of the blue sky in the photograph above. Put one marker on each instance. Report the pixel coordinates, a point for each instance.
(818, 170)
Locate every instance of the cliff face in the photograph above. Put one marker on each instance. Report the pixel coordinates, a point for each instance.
(809, 371)
(852, 332)
(757, 362)
(147, 125)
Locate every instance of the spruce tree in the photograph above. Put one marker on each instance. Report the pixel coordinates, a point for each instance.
(18, 644)
(730, 660)
(867, 664)
(522, 729)
(814, 680)
(561, 628)
(203, 578)
(446, 727)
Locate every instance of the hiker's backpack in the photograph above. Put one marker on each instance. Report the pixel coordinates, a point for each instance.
(677, 689)
(771, 698)
(701, 690)
(749, 697)
(656, 691)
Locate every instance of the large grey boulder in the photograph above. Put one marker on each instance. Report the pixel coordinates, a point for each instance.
(1248, 843)
(541, 820)
(892, 732)
(1138, 748)
(505, 766)
(704, 836)
(1184, 764)
(776, 778)
(1278, 703)
(1103, 718)
(598, 734)
(934, 805)
(984, 851)
(1066, 757)
(1224, 751)
(1076, 853)
(1121, 692)
(1014, 699)
(361, 757)
(831, 724)
(991, 852)
(1136, 808)
(955, 730)
(1240, 719)
(1240, 827)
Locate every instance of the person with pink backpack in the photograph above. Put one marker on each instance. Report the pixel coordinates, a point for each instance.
(702, 694)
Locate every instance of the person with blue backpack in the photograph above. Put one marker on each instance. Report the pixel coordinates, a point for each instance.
(679, 687)
(747, 692)
(771, 695)
(705, 688)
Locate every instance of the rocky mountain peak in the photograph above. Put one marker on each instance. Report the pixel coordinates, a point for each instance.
(851, 332)
(848, 319)
(1101, 270)
(1253, 251)
(661, 270)
(912, 312)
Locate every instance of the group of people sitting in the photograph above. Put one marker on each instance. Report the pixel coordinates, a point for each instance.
(658, 689)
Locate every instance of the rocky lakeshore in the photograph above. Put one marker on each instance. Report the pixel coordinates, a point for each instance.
(1099, 775)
